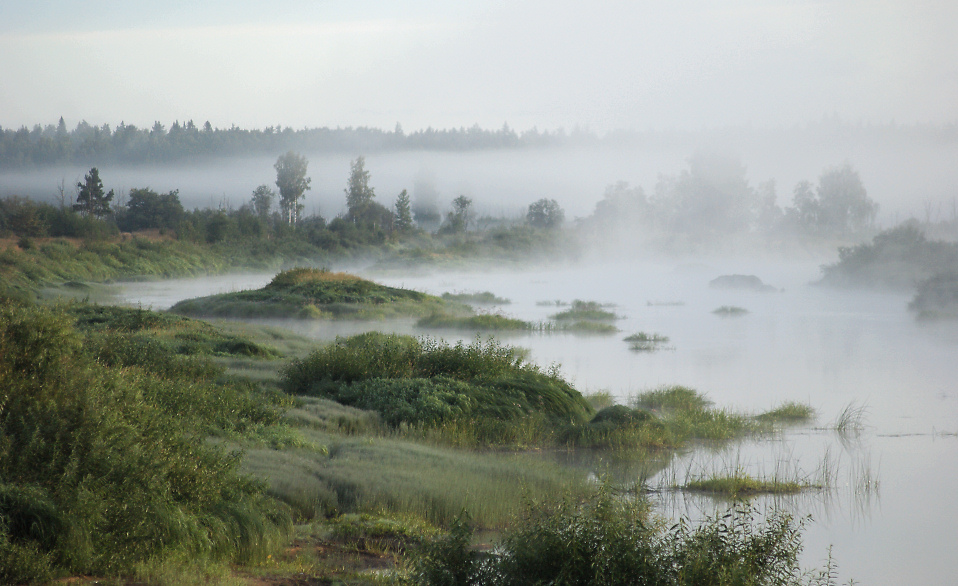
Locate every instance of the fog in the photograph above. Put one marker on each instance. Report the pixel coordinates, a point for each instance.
(903, 174)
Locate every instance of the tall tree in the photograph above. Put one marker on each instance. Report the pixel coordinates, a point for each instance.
(91, 199)
(545, 213)
(358, 192)
(403, 212)
(262, 201)
(293, 183)
(460, 217)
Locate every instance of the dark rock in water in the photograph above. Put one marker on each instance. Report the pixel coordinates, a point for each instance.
(744, 282)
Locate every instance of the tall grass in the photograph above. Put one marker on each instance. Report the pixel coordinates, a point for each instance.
(427, 382)
(104, 466)
(605, 539)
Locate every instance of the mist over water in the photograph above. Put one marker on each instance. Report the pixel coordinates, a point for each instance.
(908, 177)
(825, 347)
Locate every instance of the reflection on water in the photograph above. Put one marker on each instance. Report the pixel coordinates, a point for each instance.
(806, 344)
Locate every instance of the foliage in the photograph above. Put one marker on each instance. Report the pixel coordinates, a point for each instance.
(899, 257)
(585, 310)
(424, 381)
(91, 199)
(937, 297)
(461, 216)
(293, 184)
(613, 540)
(147, 209)
(262, 201)
(840, 205)
(102, 466)
(545, 213)
(404, 221)
(479, 297)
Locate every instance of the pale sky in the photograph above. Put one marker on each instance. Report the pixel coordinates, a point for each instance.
(686, 64)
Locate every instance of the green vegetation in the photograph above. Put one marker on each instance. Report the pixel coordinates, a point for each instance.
(316, 294)
(585, 311)
(478, 323)
(789, 412)
(740, 485)
(937, 297)
(102, 456)
(612, 540)
(897, 258)
(645, 342)
(730, 311)
(482, 391)
(477, 298)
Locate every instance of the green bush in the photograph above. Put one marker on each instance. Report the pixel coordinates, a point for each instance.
(612, 540)
(426, 382)
(103, 470)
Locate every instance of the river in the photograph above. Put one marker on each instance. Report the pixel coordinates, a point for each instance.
(890, 515)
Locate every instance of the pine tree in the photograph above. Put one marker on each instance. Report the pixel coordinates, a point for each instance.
(403, 212)
(90, 197)
(358, 192)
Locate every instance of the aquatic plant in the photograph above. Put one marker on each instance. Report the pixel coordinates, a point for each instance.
(483, 298)
(730, 311)
(788, 412)
(585, 311)
(645, 342)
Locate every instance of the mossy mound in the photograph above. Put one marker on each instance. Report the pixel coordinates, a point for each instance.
(426, 382)
(314, 294)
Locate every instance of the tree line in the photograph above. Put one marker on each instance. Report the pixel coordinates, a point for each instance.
(127, 143)
(269, 214)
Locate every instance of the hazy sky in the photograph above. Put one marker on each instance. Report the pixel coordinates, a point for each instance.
(617, 64)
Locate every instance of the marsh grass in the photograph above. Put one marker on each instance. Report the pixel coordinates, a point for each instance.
(585, 311)
(476, 298)
(730, 311)
(740, 485)
(646, 342)
(788, 412)
(674, 397)
(478, 323)
(851, 421)
(369, 474)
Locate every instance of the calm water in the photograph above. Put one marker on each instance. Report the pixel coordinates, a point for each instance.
(819, 346)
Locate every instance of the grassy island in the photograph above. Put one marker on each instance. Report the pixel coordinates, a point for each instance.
(314, 294)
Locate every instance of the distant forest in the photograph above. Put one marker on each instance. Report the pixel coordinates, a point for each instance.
(126, 143)
(88, 144)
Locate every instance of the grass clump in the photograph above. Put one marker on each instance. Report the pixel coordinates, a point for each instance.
(606, 539)
(645, 342)
(789, 412)
(476, 298)
(105, 468)
(730, 311)
(314, 294)
(672, 398)
(585, 311)
(427, 383)
(740, 485)
(478, 323)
